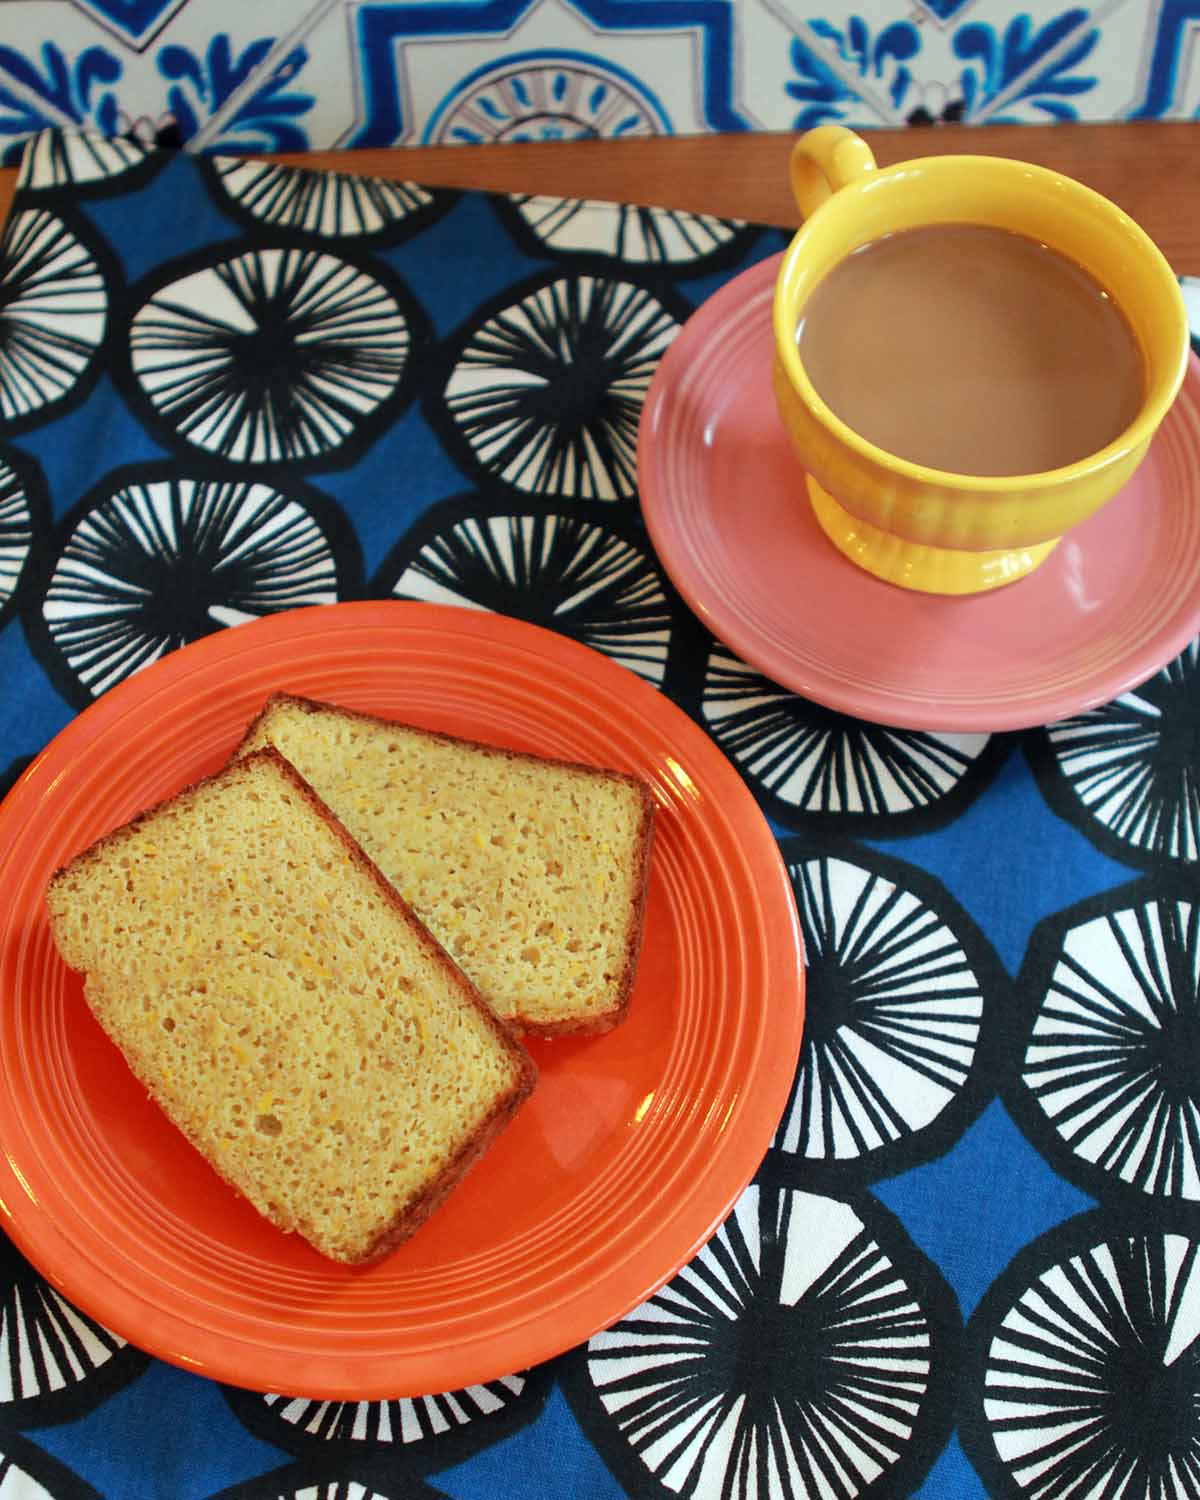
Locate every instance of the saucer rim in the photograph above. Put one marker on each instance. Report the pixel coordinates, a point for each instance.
(825, 684)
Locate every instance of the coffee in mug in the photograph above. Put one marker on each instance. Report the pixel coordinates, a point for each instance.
(962, 391)
(972, 349)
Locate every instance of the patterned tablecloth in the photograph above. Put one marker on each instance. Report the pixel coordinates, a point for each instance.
(993, 1143)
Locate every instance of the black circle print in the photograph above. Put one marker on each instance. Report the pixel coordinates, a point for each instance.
(58, 1363)
(156, 560)
(807, 1350)
(419, 1433)
(594, 580)
(1110, 1078)
(1128, 773)
(1085, 1367)
(20, 491)
(329, 1479)
(546, 388)
(275, 354)
(802, 759)
(53, 309)
(630, 232)
(898, 982)
(27, 1472)
(76, 159)
(333, 205)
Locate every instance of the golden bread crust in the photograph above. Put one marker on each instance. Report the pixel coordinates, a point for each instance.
(105, 975)
(580, 1021)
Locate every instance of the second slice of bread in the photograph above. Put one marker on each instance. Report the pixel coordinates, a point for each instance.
(287, 1011)
(532, 872)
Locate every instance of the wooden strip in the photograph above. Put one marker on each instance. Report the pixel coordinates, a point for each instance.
(1146, 168)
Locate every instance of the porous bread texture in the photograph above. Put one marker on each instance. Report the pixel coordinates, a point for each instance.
(287, 1011)
(532, 872)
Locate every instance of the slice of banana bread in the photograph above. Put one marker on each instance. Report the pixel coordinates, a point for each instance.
(532, 872)
(286, 1009)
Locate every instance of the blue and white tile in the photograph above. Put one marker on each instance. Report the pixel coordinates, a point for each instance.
(259, 78)
(982, 61)
(57, 69)
(133, 27)
(800, 65)
(241, 78)
(216, 76)
(61, 68)
(540, 69)
(1167, 76)
(1045, 62)
(1191, 297)
(317, 73)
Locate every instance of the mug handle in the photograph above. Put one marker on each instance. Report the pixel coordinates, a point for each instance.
(824, 160)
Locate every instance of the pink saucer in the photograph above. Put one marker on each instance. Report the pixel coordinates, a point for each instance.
(726, 509)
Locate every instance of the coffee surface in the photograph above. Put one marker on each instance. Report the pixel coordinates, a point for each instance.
(972, 349)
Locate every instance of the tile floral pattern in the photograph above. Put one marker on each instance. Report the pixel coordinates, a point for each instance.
(299, 74)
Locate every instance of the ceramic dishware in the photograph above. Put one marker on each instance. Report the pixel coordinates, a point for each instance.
(924, 528)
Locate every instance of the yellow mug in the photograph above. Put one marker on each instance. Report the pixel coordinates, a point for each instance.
(926, 528)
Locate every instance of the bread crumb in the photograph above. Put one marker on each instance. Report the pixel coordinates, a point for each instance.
(571, 852)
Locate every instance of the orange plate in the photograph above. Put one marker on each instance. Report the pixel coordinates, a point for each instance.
(632, 1148)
